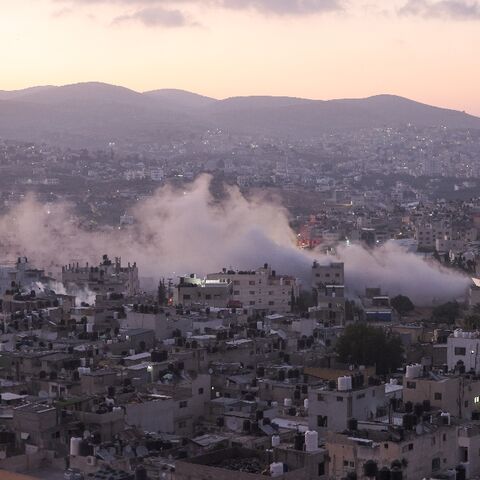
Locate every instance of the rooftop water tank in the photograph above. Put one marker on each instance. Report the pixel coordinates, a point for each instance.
(311, 441)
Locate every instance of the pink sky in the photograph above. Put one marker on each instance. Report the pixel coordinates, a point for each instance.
(427, 50)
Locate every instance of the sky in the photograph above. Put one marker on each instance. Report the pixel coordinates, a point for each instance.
(427, 50)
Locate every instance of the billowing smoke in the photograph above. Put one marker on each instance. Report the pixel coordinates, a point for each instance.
(183, 231)
(82, 294)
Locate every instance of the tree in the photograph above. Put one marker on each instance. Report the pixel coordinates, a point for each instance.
(472, 322)
(363, 344)
(402, 304)
(446, 313)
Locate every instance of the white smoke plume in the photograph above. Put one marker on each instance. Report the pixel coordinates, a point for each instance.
(178, 232)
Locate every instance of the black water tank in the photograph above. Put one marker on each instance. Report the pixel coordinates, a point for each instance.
(352, 424)
(461, 473)
(111, 392)
(396, 474)
(259, 414)
(426, 405)
(260, 371)
(408, 407)
(370, 469)
(418, 409)
(351, 476)
(299, 441)
(384, 474)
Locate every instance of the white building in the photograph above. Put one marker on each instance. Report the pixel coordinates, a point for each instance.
(465, 347)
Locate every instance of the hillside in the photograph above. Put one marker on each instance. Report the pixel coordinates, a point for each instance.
(93, 114)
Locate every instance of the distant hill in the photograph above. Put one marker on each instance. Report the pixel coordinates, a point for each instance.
(180, 98)
(93, 114)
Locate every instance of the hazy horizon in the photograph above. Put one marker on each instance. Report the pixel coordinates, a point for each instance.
(424, 50)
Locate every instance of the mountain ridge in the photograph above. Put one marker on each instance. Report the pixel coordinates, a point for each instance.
(96, 113)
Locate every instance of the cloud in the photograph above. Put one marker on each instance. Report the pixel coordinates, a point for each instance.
(153, 12)
(285, 7)
(156, 17)
(450, 9)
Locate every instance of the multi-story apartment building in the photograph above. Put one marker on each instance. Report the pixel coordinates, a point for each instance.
(108, 277)
(260, 289)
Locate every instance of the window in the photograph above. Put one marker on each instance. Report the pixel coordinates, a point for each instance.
(322, 421)
(437, 396)
(252, 302)
(252, 292)
(411, 385)
(435, 464)
(236, 292)
(236, 282)
(182, 424)
(208, 297)
(183, 404)
(460, 350)
(200, 391)
(385, 445)
(339, 399)
(410, 446)
(321, 469)
(360, 395)
(320, 397)
(251, 282)
(186, 297)
(271, 303)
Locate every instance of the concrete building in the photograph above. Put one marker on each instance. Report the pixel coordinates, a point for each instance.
(107, 278)
(260, 289)
(329, 274)
(425, 452)
(456, 394)
(331, 408)
(463, 348)
(193, 291)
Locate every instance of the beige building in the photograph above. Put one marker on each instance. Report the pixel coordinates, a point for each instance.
(456, 394)
(427, 233)
(193, 291)
(260, 289)
(329, 274)
(422, 453)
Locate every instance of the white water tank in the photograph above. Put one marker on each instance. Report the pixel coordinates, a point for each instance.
(311, 441)
(287, 402)
(413, 371)
(83, 362)
(75, 446)
(259, 325)
(274, 404)
(305, 404)
(457, 332)
(276, 469)
(89, 327)
(275, 440)
(344, 383)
